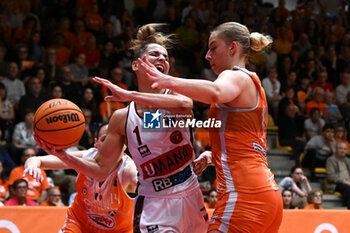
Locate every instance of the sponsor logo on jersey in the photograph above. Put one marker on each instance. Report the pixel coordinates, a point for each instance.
(64, 118)
(105, 221)
(151, 120)
(144, 151)
(167, 162)
(178, 178)
(152, 229)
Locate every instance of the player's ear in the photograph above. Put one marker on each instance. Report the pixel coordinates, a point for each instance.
(135, 66)
(233, 47)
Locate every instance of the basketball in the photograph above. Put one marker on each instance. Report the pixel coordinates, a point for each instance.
(59, 122)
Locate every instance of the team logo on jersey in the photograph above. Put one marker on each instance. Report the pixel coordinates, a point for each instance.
(152, 229)
(105, 221)
(176, 137)
(151, 120)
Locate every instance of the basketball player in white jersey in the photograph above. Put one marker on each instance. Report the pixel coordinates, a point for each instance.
(169, 198)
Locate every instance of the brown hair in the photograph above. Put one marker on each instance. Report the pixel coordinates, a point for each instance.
(232, 31)
(312, 194)
(148, 34)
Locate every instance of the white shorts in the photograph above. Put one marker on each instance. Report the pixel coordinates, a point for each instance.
(171, 215)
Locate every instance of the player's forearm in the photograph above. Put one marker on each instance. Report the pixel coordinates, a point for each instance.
(200, 90)
(88, 167)
(169, 102)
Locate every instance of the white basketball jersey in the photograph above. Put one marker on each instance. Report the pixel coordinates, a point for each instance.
(163, 156)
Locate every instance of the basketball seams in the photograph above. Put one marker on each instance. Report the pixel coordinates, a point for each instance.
(52, 130)
(71, 109)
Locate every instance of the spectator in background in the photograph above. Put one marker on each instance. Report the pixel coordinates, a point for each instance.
(345, 108)
(343, 88)
(7, 114)
(56, 92)
(52, 70)
(290, 82)
(94, 21)
(338, 173)
(79, 70)
(340, 135)
(303, 43)
(313, 125)
(64, 28)
(87, 140)
(36, 52)
(299, 184)
(53, 198)
(72, 90)
(4, 192)
(303, 92)
(333, 113)
(15, 87)
(319, 148)
(23, 132)
(283, 46)
(116, 78)
(287, 197)
(290, 134)
(272, 89)
(321, 82)
(62, 53)
(32, 99)
(212, 199)
(87, 101)
(36, 190)
(80, 34)
(317, 101)
(24, 64)
(314, 198)
(93, 55)
(270, 58)
(19, 194)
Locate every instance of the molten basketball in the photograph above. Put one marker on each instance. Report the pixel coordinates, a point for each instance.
(60, 123)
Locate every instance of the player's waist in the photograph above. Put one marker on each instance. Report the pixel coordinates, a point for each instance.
(178, 184)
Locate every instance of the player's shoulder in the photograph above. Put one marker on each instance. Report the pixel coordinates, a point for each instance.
(118, 120)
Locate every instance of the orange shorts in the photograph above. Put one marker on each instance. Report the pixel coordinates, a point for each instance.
(242, 212)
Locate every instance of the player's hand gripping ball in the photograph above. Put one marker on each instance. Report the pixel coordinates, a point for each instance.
(59, 123)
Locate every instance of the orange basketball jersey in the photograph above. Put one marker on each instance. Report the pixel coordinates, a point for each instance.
(106, 207)
(239, 146)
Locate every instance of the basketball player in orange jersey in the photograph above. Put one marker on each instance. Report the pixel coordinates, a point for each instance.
(168, 195)
(249, 199)
(98, 207)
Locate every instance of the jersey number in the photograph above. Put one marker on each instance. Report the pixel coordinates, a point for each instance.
(137, 132)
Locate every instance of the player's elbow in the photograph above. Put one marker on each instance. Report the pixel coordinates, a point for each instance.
(186, 104)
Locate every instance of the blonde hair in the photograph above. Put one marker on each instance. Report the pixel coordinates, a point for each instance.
(148, 34)
(232, 31)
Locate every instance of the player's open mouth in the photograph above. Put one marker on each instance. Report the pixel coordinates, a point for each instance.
(160, 68)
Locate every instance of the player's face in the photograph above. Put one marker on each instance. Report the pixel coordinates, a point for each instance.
(218, 54)
(158, 56)
(101, 137)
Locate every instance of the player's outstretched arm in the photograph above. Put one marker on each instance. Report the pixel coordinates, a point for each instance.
(33, 165)
(108, 156)
(227, 87)
(173, 102)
